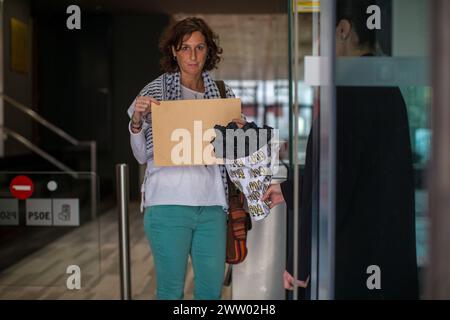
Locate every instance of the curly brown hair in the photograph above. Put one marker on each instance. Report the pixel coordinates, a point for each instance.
(174, 35)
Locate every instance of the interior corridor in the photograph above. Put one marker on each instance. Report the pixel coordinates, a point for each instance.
(104, 284)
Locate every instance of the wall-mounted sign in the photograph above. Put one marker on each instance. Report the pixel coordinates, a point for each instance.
(66, 212)
(53, 212)
(19, 46)
(306, 6)
(39, 212)
(9, 212)
(21, 187)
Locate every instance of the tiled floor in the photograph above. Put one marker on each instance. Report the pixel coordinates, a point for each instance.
(94, 248)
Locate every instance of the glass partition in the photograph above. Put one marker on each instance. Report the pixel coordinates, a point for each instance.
(49, 235)
(361, 191)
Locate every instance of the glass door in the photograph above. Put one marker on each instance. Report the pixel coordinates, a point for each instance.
(361, 197)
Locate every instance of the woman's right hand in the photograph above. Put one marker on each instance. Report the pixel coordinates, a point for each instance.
(142, 107)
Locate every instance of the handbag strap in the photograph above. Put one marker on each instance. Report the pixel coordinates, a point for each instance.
(221, 86)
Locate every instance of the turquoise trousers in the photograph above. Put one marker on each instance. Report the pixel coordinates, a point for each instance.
(174, 233)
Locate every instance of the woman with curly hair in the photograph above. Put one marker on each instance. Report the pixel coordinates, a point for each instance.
(185, 207)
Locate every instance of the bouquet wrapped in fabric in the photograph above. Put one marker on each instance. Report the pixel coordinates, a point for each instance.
(250, 155)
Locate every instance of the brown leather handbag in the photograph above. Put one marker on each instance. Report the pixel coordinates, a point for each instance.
(239, 223)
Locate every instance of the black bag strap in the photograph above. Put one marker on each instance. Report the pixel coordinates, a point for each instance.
(221, 86)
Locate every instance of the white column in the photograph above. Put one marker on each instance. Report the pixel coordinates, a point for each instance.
(438, 273)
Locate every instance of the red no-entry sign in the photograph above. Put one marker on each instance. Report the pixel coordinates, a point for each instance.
(21, 187)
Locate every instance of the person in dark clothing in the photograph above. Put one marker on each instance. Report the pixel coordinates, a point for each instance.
(375, 220)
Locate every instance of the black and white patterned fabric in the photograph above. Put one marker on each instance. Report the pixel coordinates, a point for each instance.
(250, 162)
(168, 87)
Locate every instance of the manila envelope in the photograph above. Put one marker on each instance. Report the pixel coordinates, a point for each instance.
(183, 130)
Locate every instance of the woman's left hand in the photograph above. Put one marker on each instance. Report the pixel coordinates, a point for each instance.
(239, 122)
